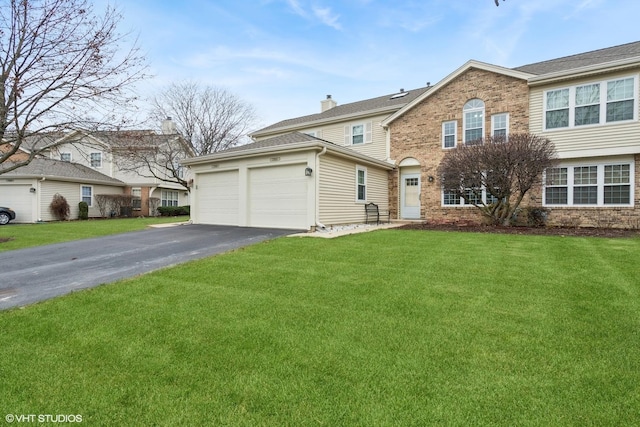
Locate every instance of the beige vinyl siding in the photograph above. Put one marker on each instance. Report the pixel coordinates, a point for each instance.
(583, 140)
(337, 190)
(71, 192)
(334, 132)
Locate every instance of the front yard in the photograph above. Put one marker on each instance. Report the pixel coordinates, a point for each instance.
(393, 327)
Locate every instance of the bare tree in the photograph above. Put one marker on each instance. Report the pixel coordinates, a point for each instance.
(495, 174)
(498, 2)
(62, 66)
(150, 155)
(210, 119)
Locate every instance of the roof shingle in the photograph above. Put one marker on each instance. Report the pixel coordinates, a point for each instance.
(600, 56)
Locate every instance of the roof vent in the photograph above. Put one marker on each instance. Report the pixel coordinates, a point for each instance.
(400, 95)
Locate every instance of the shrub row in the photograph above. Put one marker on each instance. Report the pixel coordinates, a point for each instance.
(174, 210)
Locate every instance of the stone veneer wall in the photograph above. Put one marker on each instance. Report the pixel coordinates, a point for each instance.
(418, 134)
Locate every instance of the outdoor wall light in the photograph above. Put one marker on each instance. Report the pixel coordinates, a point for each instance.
(32, 190)
(307, 171)
(431, 178)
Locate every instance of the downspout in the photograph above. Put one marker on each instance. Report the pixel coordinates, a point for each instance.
(317, 181)
(39, 198)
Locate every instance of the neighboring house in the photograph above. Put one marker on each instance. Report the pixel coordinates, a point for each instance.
(104, 153)
(587, 104)
(29, 189)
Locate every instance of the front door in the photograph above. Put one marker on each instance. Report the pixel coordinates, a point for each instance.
(410, 196)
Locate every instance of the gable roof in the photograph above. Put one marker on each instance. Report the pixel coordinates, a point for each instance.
(64, 171)
(290, 142)
(380, 104)
(466, 67)
(621, 55)
(586, 59)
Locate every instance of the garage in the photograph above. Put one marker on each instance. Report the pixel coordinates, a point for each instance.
(292, 181)
(19, 198)
(278, 197)
(218, 198)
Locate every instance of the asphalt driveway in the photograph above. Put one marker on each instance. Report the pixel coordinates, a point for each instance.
(35, 274)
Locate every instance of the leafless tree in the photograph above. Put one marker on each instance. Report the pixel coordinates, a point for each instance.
(210, 119)
(150, 155)
(505, 170)
(498, 2)
(62, 66)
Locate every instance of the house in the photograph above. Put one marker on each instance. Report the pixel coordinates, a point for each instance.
(587, 104)
(292, 181)
(89, 164)
(301, 173)
(29, 189)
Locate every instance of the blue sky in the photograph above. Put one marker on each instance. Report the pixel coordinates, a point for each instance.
(285, 56)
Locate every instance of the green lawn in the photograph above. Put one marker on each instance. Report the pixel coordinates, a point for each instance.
(387, 328)
(27, 235)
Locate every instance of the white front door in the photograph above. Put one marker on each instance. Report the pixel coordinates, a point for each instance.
(410, 196)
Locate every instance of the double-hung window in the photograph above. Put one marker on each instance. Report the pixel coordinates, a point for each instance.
(587, 105)
(169, 198)
(620, 99)
(96, 160)
(596, 103)
(361, 184)
(449, 134)
(86, 193)
(557, 109)
(136, 202)
(589, 185)
(358, 133)
(500, 125)
(473, 120)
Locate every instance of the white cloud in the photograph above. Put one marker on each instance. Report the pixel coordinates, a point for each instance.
(327, 17)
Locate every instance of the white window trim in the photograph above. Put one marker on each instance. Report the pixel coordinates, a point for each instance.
(493, 126)
(70, 156)
(600, 184)
(455, 134)
(367, 136)
(364, 169)
(603, 104)
(91, 160)
(463, 203)
(471, 110)
(163, 198)
(82, 195)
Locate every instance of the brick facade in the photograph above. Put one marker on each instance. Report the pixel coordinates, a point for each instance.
(418, 134)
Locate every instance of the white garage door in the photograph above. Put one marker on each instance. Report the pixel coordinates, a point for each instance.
(278, 197)
(18, 198)
(218, 198)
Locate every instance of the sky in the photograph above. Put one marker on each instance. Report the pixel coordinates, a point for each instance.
(285, 56)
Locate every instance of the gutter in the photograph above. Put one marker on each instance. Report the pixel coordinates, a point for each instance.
(287, 148)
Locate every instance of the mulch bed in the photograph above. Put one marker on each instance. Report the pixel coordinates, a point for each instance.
(541, 231)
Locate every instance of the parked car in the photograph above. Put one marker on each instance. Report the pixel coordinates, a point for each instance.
(6, 215)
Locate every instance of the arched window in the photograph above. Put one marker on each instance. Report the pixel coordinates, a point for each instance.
(473, 120)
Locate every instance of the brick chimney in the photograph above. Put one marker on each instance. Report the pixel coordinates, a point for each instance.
(327, 104)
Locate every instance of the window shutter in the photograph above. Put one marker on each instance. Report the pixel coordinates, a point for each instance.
(347, 135)
(368, 132)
